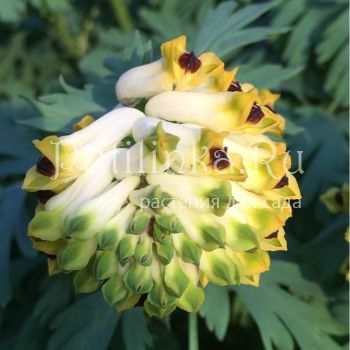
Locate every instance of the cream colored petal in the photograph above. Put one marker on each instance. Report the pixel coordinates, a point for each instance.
(224, 111)
(143, 82)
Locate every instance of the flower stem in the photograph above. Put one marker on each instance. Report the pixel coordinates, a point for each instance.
(122, 15)
(67, 40)
(192, 332)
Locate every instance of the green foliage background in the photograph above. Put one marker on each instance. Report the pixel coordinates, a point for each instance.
(296, 47)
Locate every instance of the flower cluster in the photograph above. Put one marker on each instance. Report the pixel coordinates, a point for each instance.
(177, 187)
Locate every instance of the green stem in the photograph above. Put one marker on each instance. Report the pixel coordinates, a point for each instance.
(332, 107)
(192, 331)
(67, 40)
(122, 15)
(76, 45)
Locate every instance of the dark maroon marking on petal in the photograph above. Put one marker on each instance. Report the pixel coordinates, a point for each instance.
(255, 114)
(234, 86)
(143, 182)
(283, 182)
(45, 167)
(272, 235)
(219, 158)
(270, 108)
(142, 300)
(51, 256)
(44, 196)
(189, 62)
(150, 226)
(339, 198)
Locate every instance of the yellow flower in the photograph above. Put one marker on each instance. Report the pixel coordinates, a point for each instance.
(178, 69)
(198, 151)
(198, 194)
(64, 158)
(336, 199)
(222, 112)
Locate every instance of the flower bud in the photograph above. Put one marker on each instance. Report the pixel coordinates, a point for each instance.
(143, 250)
(116, 228)
(202, 228)
(159, 302)
(46, 226)
(126, 248)
(204, 193)
(192, 299)
(153, 310)
(114, 290)
(138, 279)
(106, 265)
(168, 221)
(188, 250)
(254, 261)
(139, 222)
(175, 280)
(76, 254)
(91, 217)
(164, 251)
(85, 280)
(220, 268)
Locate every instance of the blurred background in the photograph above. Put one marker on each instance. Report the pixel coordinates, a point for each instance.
(60, 59)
